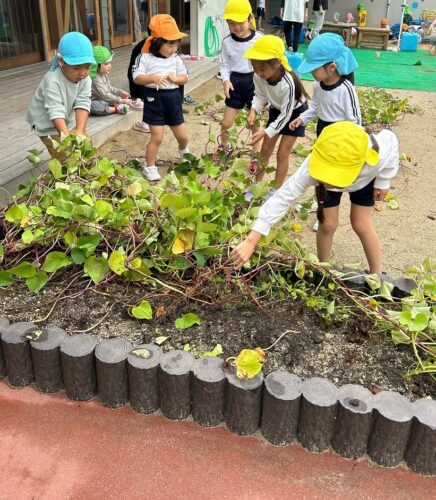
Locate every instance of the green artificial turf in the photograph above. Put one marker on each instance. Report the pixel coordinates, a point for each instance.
(392, 70)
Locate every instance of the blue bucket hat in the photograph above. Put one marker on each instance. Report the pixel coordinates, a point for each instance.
(327, 48)
(75, 48)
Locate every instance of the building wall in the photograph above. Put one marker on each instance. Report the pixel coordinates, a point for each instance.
(199, 13)
(104, 14)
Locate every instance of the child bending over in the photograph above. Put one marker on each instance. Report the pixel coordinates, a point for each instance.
(344, 159)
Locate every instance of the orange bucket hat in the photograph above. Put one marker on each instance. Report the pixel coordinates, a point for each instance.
(162, 26)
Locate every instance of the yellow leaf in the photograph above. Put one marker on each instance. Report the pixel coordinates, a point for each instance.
(389, 196)
(296, 227)
(261, 353)
(133, 189)
(24, 221)
(179, 246)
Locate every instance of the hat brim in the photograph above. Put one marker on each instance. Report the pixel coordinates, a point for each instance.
(237, 18)
(306, 67)
(175, 36)
(253, 53)
(321, 170)
(77, 61)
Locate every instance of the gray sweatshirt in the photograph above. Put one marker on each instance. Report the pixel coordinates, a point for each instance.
(103, 90)
(57, 97)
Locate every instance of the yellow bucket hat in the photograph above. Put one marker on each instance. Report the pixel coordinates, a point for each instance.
(268, 47)
(239, 11)
(339, 154)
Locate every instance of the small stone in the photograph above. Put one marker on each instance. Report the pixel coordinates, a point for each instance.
(317, 337)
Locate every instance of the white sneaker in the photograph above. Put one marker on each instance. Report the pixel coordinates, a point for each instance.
(183, 152)
(315, 226)
(152, 173)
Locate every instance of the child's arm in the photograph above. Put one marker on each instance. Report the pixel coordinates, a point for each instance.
(389, 154)
(310, 113)
(225, 72)
(272, 211)
(104, 91)
(286, 109)
(259, 101)
(350, 105)
(181, 75)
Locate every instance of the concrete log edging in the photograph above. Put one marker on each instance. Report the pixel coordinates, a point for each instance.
(350, 419)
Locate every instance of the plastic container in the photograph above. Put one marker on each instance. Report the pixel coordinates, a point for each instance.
(409, 42)
(294, 59)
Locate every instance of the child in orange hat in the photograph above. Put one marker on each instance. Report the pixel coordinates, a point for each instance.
(161, 70)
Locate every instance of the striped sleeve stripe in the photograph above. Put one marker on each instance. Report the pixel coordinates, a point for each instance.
(354, 103)
(290, 104)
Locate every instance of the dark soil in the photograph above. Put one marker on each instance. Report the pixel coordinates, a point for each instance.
(343, 353)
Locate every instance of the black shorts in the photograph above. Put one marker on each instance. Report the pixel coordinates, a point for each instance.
(363, 197)
(321, 125)
(299, 131)
(163, 107)
(243, 91)
(260, 13)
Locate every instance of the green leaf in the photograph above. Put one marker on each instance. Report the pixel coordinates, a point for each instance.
(16, 212)
(185, 213)
(331, 307)
(143, 311)
(103, 208)
(96, 268)
(55, 168)
(216, 351)
(260, 190)
(248, 364)
(141, 353)
(24, 270)
(211, 171)
(55, 261)
(187, 320)
(78, 256)
(207, 227)
(88, 243)
(37, 282)
(116, 262)
(86, 198)
(64, 210)
(393, 204)
(399, 337)
(27, 236)
(171, 201)
(6, 278)
(200, 258)
(187, 348)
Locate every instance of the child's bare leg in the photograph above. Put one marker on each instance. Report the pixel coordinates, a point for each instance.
(325, 233)
(268, 145)
(361, 222)
(181, 134)
(283, 153)
(228, 120)
(156, 138)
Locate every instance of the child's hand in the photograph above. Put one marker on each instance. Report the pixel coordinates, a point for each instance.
(244, 250)
(124, 94)
(296, 123)
(161, 81)
(126, 101)
(380, 194)
(257, 136)
(251, 118)
(227, 88)
(172, 77)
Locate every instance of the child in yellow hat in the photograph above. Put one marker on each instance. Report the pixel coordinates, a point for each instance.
(161, 70)
(236, 72)
(344, 159)
(275, 83)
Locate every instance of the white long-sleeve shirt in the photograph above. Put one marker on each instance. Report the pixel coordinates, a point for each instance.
(232, 54)
(334, 103)
(295, 186)
(294, 10)
(281, 96)
(148, 64)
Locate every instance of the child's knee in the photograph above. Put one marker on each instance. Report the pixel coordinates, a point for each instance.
(361, 226)
(328, 226)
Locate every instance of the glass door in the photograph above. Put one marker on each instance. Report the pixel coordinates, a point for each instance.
(21, 39)
(121, 22)
(63, 16)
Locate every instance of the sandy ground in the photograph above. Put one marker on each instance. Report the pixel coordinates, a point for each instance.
(408, 234)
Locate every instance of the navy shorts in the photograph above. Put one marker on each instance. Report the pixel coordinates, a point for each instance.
(260, 12)
(299, 131)
(243, 91)
(163, 107)
(363, 197)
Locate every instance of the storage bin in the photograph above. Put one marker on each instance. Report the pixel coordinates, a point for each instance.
(294, 59)
(409, 42)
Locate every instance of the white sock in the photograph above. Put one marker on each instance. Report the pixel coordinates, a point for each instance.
(184, 151)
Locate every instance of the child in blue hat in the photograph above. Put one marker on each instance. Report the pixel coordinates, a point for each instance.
(334, 99)
(332, 64)
(62, 100)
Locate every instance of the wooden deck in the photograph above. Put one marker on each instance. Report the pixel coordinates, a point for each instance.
(17, 87)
